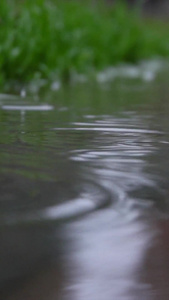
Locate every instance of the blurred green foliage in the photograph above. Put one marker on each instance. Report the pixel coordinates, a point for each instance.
(52, 39)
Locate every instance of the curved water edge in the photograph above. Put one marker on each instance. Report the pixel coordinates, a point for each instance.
(92, 198)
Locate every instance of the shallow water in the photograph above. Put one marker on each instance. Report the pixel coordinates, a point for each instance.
(84, 192)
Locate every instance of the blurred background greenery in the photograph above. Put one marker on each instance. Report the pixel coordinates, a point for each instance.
(55, 39)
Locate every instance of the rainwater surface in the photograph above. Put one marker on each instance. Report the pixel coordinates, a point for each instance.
(84, 192)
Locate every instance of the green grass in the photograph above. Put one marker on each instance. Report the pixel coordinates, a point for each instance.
(49, 39)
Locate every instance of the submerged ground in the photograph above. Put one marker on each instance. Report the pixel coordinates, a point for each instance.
(84, 190)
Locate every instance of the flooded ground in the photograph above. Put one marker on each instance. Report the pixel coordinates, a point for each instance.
(84, 192)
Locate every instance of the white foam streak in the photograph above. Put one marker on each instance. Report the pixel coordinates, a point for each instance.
(45, 107)
(68, 209)
(108, 129)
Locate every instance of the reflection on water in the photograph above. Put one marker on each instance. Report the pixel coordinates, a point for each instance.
(108, 258)
(84, 202)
